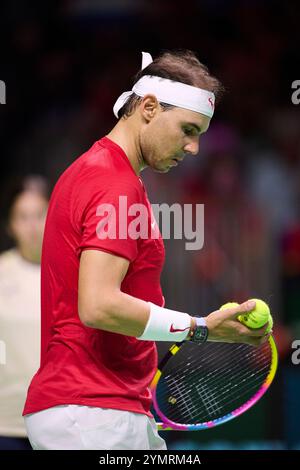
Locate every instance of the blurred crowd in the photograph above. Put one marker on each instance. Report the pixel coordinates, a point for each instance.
(64, 64)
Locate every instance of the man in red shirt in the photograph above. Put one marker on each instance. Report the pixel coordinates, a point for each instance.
(102, 304)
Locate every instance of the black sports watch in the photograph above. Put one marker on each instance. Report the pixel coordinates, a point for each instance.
(200, 331)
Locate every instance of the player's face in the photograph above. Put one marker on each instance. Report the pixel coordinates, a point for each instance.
(170, 136)
(27, 222)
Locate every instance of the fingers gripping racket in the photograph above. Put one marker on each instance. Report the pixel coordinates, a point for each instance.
(199, 386)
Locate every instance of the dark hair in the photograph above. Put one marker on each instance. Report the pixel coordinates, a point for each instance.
(181, 66)
(17, 186)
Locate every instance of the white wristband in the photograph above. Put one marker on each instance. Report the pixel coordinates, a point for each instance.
(166, 325)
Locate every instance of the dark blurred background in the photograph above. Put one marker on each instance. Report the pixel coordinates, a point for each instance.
(65, 63)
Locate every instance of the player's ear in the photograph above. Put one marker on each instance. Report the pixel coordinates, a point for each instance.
(149, 107)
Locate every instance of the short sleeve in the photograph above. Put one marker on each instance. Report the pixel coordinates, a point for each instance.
(105, 217)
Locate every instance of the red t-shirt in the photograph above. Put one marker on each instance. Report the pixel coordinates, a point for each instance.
(81, 365)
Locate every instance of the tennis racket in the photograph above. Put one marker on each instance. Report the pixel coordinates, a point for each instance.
(199, 386)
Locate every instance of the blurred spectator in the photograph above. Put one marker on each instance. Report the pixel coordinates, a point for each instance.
(26, 208)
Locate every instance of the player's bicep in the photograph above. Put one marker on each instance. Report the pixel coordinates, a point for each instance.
(100, 278)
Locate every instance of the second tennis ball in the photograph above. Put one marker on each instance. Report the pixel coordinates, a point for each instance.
(257, 317)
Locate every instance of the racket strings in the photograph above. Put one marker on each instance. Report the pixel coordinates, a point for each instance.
(217, 373)
(204, 361)
(188, 361)
(213, 401)
(199, 385)
(187, 404)
(212, 405)
(232, 370)
(207, 358)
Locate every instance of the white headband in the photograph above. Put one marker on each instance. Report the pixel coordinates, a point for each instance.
(170, 92)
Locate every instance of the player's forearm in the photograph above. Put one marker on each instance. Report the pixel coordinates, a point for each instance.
(123, 314)
(119, 313)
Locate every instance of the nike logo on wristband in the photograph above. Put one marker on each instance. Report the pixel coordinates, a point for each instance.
(175, 330)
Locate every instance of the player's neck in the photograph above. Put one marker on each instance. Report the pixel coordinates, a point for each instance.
(126, 135)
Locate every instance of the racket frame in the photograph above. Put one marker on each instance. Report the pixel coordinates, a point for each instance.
(168, 425)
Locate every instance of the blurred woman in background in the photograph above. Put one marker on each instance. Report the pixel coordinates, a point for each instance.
(25, 213)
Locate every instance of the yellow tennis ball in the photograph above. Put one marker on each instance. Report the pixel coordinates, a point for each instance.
(229, 305)
(257, 317)
(270, 326)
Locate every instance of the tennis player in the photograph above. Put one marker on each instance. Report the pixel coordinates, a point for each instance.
(102, 304)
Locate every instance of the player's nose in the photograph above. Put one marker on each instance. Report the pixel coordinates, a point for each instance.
(192, 147)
